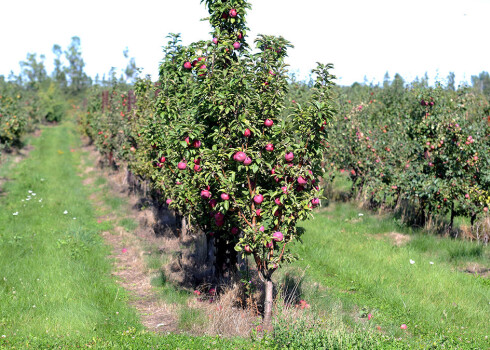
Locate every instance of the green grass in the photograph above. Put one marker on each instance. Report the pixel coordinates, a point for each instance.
(55, 284)
(353, 263)
(56, 290)
(129, 224)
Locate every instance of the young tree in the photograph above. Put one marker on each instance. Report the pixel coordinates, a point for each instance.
(229, 159)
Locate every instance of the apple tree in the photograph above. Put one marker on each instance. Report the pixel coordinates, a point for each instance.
(222, 152)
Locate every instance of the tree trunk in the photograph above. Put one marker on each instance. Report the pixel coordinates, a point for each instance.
(269, 287)
(452, 218)
(210, 257)
(183, 227)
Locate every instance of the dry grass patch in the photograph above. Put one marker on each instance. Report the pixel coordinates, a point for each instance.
(397, 239)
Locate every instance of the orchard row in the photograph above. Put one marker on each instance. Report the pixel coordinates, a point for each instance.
(21, 109)
(422, 146)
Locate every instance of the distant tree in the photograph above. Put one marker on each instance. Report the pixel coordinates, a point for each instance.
(77, 79)
(481, 82)
(424, 82)
(451, 81)
(398, 83)
(386, 80)
(33, 70)
(131, 70)
(59, 74)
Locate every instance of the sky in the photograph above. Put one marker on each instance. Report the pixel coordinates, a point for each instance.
(363, 39)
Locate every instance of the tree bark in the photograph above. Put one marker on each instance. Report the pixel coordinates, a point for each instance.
(269, 287)
(183, 227)
(452, 218)
(210, 257)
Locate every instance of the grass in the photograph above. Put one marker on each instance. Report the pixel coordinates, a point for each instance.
(349, 260)
(56, 289)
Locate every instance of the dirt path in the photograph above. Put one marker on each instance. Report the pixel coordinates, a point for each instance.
(128, 247)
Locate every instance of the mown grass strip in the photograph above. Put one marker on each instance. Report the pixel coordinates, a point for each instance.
(347, 254)
(55, 283)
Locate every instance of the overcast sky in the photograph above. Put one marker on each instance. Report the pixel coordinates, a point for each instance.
(361, 38)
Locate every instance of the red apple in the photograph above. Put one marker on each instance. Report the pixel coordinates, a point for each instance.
(258, 198)
(240, 36)
(302, 180)
(182, 165)
(168, 201)
(162, 160)
(277, 236)
(247, 133)
(187, 65)
(205, 194)
(278, 201)
(197, 168)
(268, 123)
(236, 45)
(225, 196)
(315, 202)
(269, 147)
(213, 202)
(215, 40)
(247, 161)
(240, 156)
(257, 212)
(289, 156)
(233, 13)
(247, 249)
(234, 230)
(196, 144)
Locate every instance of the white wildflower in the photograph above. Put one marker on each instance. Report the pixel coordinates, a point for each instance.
(65, 212)
(16, 213)
(412, 262)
